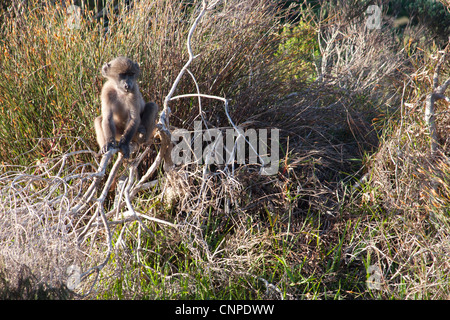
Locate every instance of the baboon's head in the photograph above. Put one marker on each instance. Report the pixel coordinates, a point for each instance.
(123, 71)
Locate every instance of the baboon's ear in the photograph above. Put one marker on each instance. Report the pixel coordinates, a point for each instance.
(105, 69)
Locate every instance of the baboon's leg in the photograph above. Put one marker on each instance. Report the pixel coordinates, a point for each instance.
(147, 126)
(99, 132)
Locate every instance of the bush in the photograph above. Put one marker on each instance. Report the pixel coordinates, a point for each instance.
(299, 51)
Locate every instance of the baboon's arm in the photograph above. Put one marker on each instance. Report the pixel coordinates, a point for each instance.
(131, 127)
(109, 128)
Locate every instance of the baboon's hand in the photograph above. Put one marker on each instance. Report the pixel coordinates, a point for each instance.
(141, 132)
(107, 147)
(125, 149)
(141, 129)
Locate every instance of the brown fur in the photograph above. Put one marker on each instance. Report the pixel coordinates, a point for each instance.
(125, 116)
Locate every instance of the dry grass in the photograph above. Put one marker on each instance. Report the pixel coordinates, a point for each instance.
(37, 231)
(410, 181)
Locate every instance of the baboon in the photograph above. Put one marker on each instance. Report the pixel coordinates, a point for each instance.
(125, 116)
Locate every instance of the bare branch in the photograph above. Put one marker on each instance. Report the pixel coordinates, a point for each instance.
(129, 216)
(430, 120)
(166, 109)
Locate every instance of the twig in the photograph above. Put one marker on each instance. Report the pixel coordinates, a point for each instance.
(163, 125)
(128, 201)
(128, 216)
(191, 58)
(101, 171)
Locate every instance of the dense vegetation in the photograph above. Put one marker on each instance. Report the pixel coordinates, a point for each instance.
(359, 207)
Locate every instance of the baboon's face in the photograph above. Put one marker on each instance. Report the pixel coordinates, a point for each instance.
(126, 80)
(123, 71)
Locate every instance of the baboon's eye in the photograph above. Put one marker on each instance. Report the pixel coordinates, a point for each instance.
(127, 74)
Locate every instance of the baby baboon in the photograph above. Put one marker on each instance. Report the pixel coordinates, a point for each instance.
(125, 116)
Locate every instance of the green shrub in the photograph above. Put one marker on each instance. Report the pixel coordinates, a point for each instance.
(298, 51)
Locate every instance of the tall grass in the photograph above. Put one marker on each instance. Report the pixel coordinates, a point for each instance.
(49, 85)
